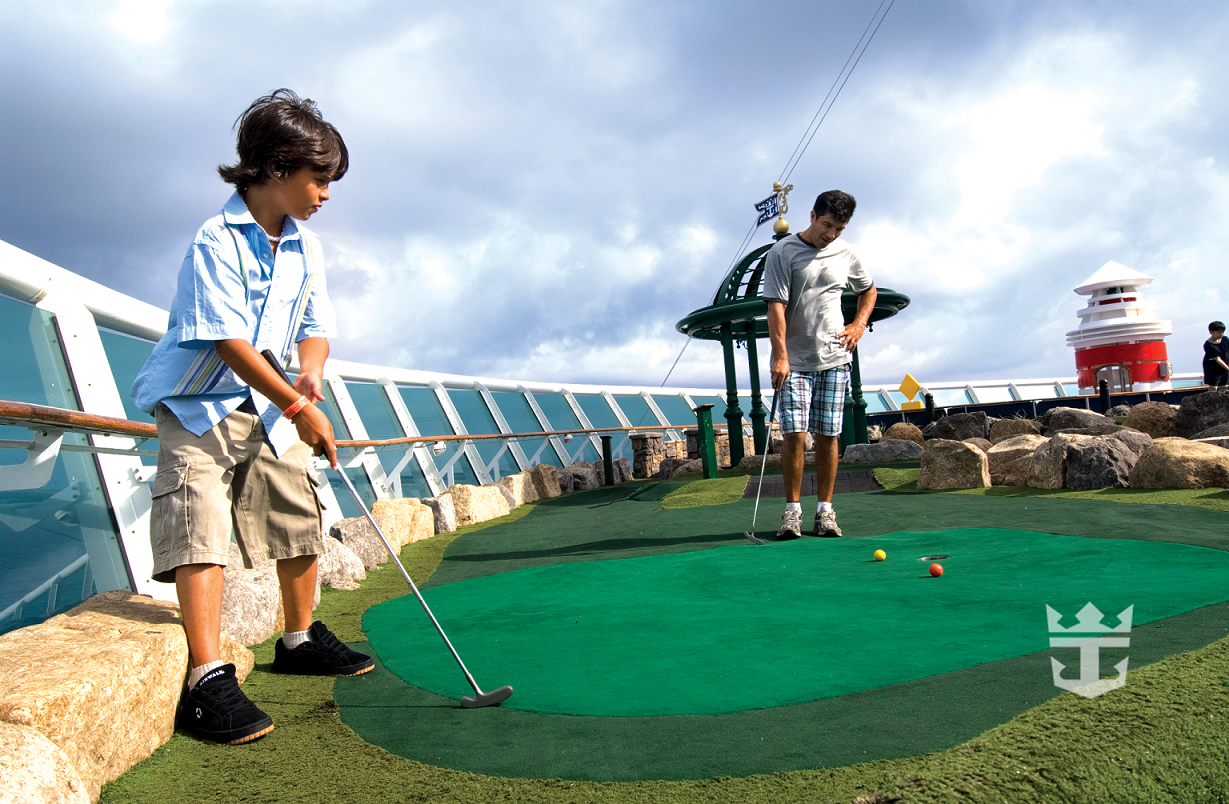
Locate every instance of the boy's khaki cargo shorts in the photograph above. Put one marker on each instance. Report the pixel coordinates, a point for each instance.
(230, 476)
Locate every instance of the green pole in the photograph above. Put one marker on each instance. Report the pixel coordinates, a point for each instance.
(733, 413)
(758, 414)
(854, 429)
(708, 445)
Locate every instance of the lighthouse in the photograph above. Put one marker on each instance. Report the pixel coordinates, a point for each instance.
(1119, 339)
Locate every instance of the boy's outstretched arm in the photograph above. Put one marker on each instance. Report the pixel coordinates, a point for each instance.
(313, 426)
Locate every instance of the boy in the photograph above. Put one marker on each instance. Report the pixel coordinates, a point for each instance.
(236, 442)
(803, 279)
(1216, 357)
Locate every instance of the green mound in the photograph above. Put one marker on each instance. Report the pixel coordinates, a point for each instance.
(681, 634)
(717, 491)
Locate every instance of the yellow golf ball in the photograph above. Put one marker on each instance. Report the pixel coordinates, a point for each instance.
(880, 555)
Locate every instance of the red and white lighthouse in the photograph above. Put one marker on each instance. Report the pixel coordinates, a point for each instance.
(1119, 338)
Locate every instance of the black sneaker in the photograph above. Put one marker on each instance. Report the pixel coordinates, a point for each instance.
(323, 655)
(217, 711)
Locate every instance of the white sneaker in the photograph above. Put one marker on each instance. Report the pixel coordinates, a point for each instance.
(791, 525)
(825, 524)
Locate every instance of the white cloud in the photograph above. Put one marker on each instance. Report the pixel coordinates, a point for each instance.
(142, 21)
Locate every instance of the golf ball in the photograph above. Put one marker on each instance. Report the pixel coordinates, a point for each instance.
(936, 570)
(880, 555)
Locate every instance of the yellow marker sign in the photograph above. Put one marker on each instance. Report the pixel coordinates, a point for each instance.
(918, 405)
(909, 386)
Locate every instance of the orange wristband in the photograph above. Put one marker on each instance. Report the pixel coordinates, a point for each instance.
(295, 407)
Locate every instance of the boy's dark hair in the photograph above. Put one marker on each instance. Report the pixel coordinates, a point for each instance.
(1216, 326)
(840, 204)
(280, 133)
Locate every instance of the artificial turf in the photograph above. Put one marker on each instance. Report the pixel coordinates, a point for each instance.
(1160, 738)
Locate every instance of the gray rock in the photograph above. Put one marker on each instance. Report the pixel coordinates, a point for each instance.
(338, 566)
(1200, 412)
(1048, 469)
(982, 444)
(1011, 458)
(509, 495)
(1056, 419)
(357, 534)
(960, 426)
(683, 467)
(1004, 429)
(584, 477)
(623, 470)
(1099, 463)
(545, 481)
(953, 465)
(928, 431)
(1119, 410)
(1154, 418)
(565, 480)
(444, 511)
(888, 451)
(1136, 441)
(251, 600)
(1212, 432)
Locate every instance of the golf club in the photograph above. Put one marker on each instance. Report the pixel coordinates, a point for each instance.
(480, 698)
(772, 416)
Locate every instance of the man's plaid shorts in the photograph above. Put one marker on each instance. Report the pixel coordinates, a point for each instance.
(814, 401)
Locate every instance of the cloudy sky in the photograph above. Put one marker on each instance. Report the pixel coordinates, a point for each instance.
(540, 190)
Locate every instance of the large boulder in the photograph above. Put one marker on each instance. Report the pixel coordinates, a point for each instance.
(623, 470)
(584, 477)
(1135, 441)
(683, 467)
(545, 481)
(1099, 462)
(102, 681)
(1216, 441)
(982, 444)
(1048, 469)
(1154, 418)
(888, 451)
(904, 431)
(1100, 429)
(404, 520)
(1004, 429)
(1199, 412)
(520, 487)
(338, 567)
(251, 600)
(1056, 419)
(960, 426)
(33, 769)
(950, 464)
(357, 534)
(1119, 410)
(444, 513)
(1009, 460)
(1219, 431)
(475, 504)
(1175, 463)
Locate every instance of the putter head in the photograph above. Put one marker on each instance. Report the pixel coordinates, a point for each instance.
(492, 698)
(751, 537)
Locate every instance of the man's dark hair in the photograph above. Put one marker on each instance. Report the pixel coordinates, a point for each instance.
(1216, 326)
(840, 204)
(279, 134)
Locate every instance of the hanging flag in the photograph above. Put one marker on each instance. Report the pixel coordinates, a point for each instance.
(768, 210)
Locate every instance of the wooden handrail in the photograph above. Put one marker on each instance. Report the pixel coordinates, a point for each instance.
(34, 417)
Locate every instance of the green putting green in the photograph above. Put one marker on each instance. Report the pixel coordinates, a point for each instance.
(741, 627)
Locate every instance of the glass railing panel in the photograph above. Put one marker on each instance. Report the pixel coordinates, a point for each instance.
(875, 402)
(993, 393)
(57, 543)
(520, 418)
(1036, 391)
(371, 402)
(561, 417)
(478, 421)
(950, 397)
(1071, 389)
(127, 356)
(676, 410)
(430, 419)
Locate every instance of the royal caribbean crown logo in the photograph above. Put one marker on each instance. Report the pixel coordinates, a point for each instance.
(1090, 636)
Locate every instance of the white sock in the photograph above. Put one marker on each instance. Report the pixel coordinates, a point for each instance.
(294, 639)
(794, 507)
(824, 505)
(197, 673)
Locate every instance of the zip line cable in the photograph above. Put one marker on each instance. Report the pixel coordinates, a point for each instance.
(821, 114)
(846, 70)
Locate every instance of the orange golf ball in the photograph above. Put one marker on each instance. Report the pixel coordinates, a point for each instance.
(880, 555)
(936, 570)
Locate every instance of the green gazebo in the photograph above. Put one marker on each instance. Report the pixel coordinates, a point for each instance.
(739, 313)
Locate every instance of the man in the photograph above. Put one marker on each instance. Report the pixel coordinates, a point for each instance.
(811, 348)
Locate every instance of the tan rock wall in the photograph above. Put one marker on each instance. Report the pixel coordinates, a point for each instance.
(34, 769)
(521, 487)
(545, 481)
(952, 465)
(1010, 459)
(404, 520)
(1175, 463)
(102, 681)
(477, 503)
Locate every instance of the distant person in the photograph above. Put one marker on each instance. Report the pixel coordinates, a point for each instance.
(804, 275)
(235, 441)
(1216, 357)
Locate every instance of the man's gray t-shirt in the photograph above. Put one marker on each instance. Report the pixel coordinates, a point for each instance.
(809, 282)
